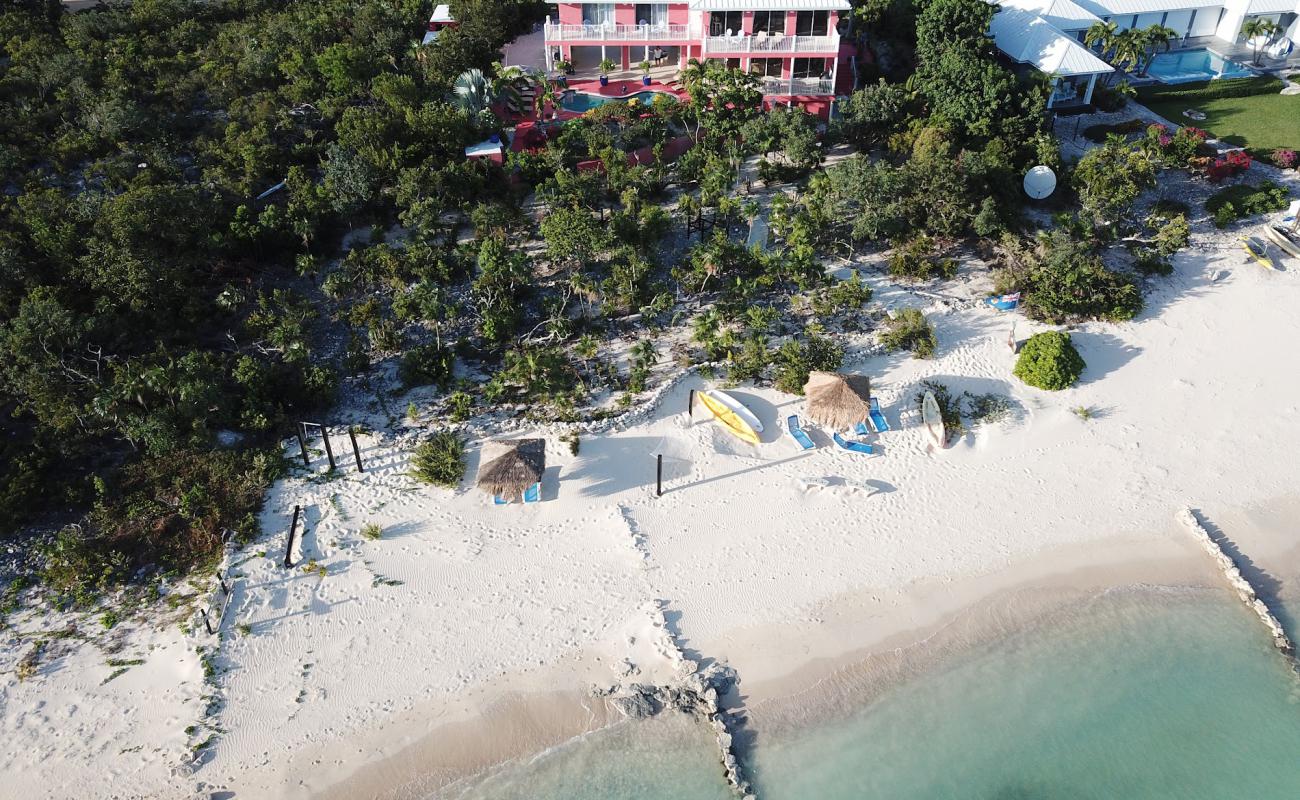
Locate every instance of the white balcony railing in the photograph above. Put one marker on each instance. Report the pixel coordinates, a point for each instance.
(608, 32)
(773, 86)
(772, 43)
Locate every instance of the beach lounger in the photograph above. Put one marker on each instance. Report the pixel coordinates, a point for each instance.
(861, 429)
(533, 494)
(852, 446)
(797, 431)
(497, 501)
(878, 420)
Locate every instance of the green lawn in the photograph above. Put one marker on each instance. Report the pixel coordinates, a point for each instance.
(1260, 122)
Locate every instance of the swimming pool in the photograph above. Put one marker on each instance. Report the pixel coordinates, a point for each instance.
(1185, 66)
(581, 102)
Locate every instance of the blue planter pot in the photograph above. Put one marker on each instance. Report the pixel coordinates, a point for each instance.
(604, 81)
(645, 80)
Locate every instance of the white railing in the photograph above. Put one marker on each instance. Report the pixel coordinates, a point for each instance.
(772, 43)
(798, 86)
(556, 32)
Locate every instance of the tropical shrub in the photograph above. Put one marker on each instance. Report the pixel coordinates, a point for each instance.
(795, 359)
(1110, 177)
(1284, 158)
(1049, 361)
(439, 460)
(1243, 200)
(909, 330)
(425, 364)
(1063, 280)
(915, 260)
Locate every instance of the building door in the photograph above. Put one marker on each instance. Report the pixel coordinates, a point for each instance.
(769, 21)
(726, 23)
(597, 14)
(809, 67)
(811, 23)
(653, 14)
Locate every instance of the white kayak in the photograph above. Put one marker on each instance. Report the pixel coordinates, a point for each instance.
(932, 419)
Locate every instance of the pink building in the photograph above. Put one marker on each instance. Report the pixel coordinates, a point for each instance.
(792, 45)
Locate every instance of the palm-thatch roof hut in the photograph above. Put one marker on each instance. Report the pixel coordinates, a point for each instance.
(837, 400)
(509, 466)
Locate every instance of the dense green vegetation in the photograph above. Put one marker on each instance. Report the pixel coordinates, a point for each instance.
(1049, 361)
(149, 301)
(216, 214)
(1244, 200)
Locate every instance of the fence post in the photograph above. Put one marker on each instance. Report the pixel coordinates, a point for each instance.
(659, 475)
(690, 405)
(356, 451)
(302, 443)
(288, 548)
(329, 451)
(206, 623)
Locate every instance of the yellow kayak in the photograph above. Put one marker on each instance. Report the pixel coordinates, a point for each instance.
(732, 413)
(1258, 250)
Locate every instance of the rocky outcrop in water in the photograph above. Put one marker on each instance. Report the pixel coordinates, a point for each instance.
(698, 695)
(1239, 582)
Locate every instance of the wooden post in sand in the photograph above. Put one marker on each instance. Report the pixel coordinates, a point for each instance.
(356, 451)
(288, 548)
(690, 405)
(302, 443)
(659, 475)
(329, 451)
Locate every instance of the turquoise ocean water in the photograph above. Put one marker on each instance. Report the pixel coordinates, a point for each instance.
(1147, 694)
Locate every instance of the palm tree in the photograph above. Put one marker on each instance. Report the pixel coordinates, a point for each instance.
(1156, 38)
(473, 91)
(1258, 32)
(1129, 47)
(1101, 36)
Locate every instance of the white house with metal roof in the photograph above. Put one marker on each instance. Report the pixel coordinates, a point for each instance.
(1048, 34)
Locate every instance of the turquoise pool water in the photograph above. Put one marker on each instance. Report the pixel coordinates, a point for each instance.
(583, 102)
(1171, 695)
(1186, 66)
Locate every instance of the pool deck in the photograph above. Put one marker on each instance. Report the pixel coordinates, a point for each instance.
(1240, 52)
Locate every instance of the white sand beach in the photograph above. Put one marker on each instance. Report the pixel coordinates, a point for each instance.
(471, 633)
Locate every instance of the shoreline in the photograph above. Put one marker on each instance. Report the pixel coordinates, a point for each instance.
(888, 657)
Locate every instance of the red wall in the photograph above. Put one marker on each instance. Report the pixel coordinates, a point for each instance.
(570, 13)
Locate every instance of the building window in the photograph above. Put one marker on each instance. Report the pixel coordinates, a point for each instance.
(655, 14)
(765, 67)
(809, 67)
(811, 23)
(723, 22)
(770, 21)
(597, 13)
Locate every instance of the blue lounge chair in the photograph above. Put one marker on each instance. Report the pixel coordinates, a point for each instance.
(533, 494)
(497, 501)
(796, 430)
(878, 420)
(852, 446)
(861, 429)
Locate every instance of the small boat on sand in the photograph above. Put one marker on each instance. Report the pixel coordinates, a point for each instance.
(1287, 239)
(1258, 250)
(933, 420)
(732, 413)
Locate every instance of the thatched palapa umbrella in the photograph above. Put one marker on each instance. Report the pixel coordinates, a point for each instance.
(836, 400)
(509, 466)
